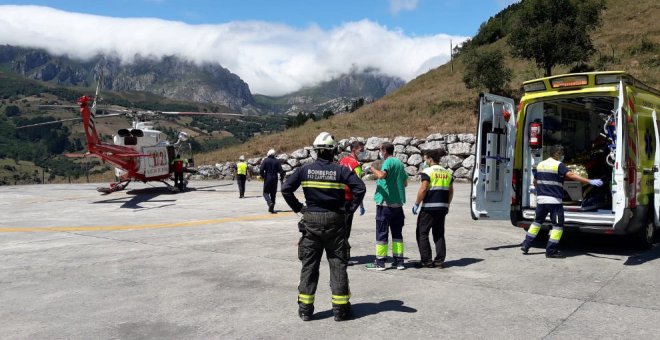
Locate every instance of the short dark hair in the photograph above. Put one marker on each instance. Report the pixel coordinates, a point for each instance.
(556, 150)
(356, 144)
(435, 155)
(388, 147)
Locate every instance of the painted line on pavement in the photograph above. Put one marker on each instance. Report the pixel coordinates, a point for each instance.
(150, 226)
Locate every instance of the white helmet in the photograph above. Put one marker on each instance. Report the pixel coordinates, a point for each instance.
(271, 152)
(325, 141)
(242, 158)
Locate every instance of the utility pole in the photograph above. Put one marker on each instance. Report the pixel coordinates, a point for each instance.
(451, 55)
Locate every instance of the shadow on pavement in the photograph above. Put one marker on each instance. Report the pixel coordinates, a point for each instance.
(140, 196)
(649, 255)
(507, 246)
(364, 259)
(607, 247)
(361, 310)
(466, 261)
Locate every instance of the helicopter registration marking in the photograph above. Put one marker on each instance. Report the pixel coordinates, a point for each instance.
(149, 226)
(157, 164)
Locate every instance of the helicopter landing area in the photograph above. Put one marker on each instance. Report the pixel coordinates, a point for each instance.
(148, 263)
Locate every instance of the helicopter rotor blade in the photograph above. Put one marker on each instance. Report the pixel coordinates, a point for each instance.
(58, 106)
(66, 120)
(48, 123)
(181, 113)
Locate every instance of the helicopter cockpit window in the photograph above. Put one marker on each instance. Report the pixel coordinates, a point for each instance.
(123, 133)
(130, 140)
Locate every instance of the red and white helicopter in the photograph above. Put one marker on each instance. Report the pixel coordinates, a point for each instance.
(140, 153)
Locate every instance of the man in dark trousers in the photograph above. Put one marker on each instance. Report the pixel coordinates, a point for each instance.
(323, 225)
(179, 166)
(241, 175)
(270, 169)
(434, 196)
(353, 162)
(549, 180)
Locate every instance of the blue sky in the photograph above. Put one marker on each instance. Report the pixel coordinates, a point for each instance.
(275, 46)
(415, 17)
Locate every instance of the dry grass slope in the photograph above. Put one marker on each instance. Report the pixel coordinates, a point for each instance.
(437, 101)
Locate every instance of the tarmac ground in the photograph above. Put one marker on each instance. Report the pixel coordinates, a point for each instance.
(148, 263)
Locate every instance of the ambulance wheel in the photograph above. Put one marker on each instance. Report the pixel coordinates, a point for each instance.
(645, 237)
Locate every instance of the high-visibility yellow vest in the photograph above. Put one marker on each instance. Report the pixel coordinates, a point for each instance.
(440, 180)
(241, 168)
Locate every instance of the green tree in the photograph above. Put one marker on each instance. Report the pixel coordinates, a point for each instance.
(12, 110)
(555, 32)
(485, 69)
(327, 114)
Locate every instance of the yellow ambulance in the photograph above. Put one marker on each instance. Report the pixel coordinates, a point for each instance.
(608, 124)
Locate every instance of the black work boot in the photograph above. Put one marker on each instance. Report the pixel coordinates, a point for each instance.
(305, 312)
(555, 255)
(342, 312)
(271, 208)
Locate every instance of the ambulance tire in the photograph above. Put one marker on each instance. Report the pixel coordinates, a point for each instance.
(645, 237)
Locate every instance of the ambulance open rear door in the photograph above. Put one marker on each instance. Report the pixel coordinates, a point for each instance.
(492, 189)
(656, 169)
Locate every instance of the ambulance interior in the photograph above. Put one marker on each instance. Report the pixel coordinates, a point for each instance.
(577, 124)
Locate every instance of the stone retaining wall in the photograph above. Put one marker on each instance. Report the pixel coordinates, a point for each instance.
(460, 157)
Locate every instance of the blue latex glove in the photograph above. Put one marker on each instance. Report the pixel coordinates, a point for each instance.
(415, 208)
(362, 211)
(596, 182)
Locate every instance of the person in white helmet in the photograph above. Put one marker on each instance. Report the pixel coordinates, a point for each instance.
(270, 169)
(241, 175)
(323, 225)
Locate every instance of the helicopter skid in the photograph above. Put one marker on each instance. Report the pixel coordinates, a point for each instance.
(117, 186)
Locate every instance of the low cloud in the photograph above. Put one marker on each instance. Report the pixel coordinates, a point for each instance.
(397, 6)
(273, 59)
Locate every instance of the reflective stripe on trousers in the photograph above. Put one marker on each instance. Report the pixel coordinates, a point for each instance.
(340, 299)
(381, 250)
(397, 247)
(306, 299)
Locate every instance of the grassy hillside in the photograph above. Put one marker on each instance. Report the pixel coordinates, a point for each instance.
(33, 155)
(438, 101)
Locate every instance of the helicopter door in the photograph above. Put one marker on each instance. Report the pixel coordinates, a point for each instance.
(157, 164)
(656, 170)
(493, 170)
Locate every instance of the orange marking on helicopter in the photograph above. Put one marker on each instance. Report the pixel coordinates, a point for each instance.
(148, 226)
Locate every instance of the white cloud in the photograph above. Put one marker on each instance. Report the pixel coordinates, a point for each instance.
(397, 6)
(272, 58)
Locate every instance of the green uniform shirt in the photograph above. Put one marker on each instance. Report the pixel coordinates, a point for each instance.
(391, 189)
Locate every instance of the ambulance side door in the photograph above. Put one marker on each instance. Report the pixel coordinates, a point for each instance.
(493, 170)
(656, 169)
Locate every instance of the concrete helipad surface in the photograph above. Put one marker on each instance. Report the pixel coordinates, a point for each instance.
(146, 263)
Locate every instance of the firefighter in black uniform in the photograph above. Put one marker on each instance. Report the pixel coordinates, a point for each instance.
(270, 169)
(323, 225)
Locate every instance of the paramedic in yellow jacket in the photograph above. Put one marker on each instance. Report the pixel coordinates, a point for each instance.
(241, 175)
(434, 196)
(549, 182)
